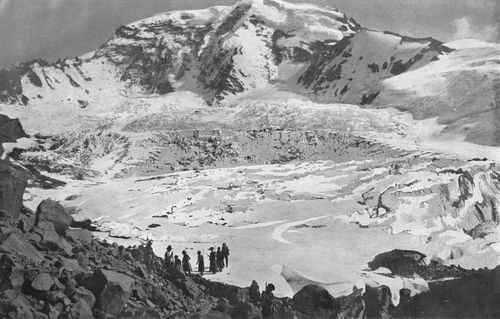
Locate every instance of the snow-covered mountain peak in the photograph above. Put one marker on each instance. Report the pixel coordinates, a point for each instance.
(224, 53)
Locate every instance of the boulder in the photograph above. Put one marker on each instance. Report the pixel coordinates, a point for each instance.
(398, 261)
(111, 289)
(10, 130)
(82, 293)
(11, 276)
(140, 270)
(16, 244)
(139, 293)
(81, 310)
(223, 305)
(43, 282)
(79, 236)
(315, 302)
(13, 182)
(52, 239)
(53, 212)
(20, 308)
(159, 298)
(58, 297)
(190, 289)
(70, 265)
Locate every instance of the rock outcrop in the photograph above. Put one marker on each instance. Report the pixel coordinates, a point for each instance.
(12, 185)
(315, 302)
(54, 213)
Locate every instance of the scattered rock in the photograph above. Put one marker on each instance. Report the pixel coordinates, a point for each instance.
(111, 289)
(315, 302)
(51, 239)
(139, 293)
(81, 293)
(397, 260)
(11, 277)
(140, 270)
(79, 236)
(53, 212)
(81, 310)
(16, 244)
(21, 308)
(159, 298)
(43, 282)
(70, 265)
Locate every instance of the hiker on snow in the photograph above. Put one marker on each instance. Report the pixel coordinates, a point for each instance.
(186, 265)
(201, 263)
(225, 253)
(169, 254)
(213, 266)
(220, 259)
(177, 263)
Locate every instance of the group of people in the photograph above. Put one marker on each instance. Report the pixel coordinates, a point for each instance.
(218, 260)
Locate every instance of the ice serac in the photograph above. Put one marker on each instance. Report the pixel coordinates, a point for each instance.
(433, 202)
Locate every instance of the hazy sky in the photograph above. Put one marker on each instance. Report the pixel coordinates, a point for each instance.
(65, 28)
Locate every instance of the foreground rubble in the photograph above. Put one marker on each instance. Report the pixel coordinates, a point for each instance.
(51, 269)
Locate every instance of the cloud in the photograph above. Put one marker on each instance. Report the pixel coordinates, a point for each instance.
(465, 30)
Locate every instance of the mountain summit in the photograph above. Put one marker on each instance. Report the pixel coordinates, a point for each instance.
(222, 51)
(227, 51)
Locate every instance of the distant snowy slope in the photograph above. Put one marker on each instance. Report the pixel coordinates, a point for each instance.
(352, 70)
(461, 89)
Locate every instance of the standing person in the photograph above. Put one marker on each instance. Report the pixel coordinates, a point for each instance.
(225, 253)
(220, 259)
(169, 254)
(254, 293)
(177, 263)
(267, 302)
(149, 256)
(201, 263)
(186, 265)
(212, 256)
